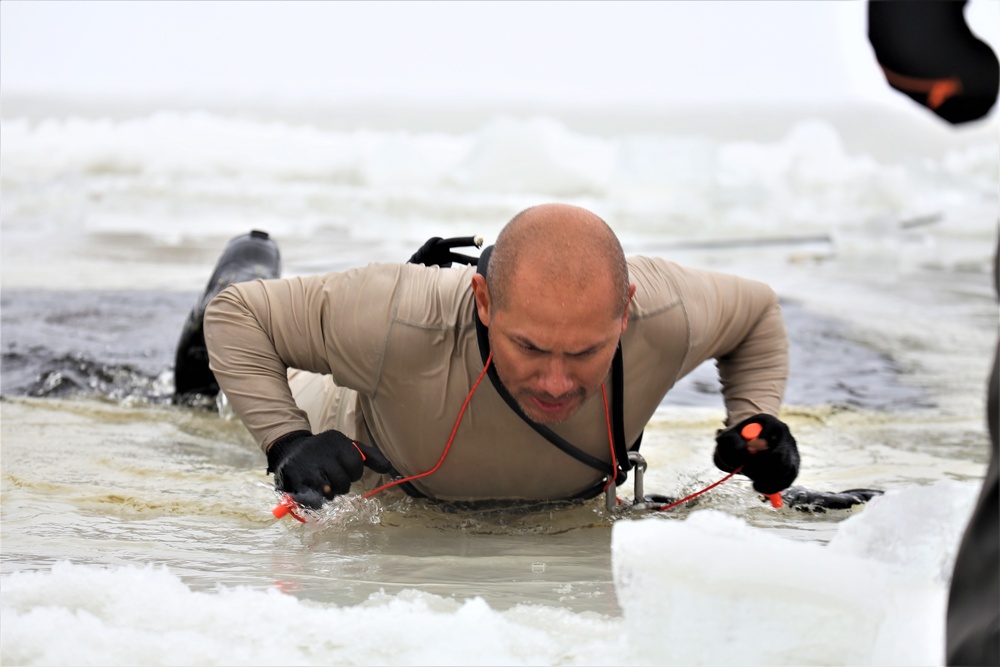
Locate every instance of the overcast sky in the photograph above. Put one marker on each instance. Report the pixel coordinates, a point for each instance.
(620, 52)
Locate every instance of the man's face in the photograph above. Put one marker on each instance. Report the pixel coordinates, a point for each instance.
(553, 345)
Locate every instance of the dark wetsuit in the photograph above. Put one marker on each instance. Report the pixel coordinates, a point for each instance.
(927, 51)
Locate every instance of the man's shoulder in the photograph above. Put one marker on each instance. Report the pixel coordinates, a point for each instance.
(428, 296)
(657, 286)
(658, 274)
(414, 279)
(662, 284)
(382, 292)
(651, 267)
(657, 271)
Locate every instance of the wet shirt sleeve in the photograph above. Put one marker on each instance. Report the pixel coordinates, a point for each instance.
(737, 322)
(334, 324)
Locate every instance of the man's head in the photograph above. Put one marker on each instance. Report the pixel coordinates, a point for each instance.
(556, 302)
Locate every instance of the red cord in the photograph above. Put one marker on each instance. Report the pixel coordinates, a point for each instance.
(611, 440)
(288, 505)
(451, 438)
(664, 508)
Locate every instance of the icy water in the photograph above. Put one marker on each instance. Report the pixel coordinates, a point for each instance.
(135, 531)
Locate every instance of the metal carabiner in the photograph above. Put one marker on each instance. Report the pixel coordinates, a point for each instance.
(639, 467)
(638, 471)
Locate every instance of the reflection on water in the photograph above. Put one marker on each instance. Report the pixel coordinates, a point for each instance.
(104, 483)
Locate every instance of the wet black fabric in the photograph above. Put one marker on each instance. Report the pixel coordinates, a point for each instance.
(927, 41)
(246, 257)
(316, 468)
(772, 469)
(804, 500)
(623, 465)
(973, 626)
(918, 43)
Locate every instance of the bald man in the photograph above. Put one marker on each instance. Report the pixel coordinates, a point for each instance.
(379, 374)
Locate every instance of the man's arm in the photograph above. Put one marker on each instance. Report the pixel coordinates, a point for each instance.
(755, 372)
(325, 324)
(738, 322)
(240, 336)
(334, 324)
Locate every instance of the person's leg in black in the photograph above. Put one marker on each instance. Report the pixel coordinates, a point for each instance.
(246, 257)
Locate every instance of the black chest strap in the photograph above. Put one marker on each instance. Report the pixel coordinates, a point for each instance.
(617, 402)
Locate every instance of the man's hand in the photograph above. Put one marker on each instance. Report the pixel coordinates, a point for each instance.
(316, 468)
(765, 448)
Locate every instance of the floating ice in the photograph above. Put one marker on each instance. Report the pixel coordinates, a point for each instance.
(133, 615)
(712, 590)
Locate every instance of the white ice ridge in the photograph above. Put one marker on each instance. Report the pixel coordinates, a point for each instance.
(713, 590)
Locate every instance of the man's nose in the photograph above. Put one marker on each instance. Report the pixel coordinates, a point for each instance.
(555, 379)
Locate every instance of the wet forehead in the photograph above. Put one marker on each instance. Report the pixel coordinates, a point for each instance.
(585, 289)
(558, 313)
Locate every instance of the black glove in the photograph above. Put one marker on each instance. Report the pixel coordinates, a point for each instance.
(771, 469)
(315, 468)
(437, 251)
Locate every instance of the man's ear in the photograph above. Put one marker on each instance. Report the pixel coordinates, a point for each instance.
(631, 293)
(481, 291)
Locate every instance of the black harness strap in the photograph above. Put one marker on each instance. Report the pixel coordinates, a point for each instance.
(617, 400)
(437, 251)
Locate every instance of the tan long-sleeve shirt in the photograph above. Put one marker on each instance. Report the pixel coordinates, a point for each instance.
(403, 337)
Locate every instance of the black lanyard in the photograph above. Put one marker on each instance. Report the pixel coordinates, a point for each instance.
(617, 402)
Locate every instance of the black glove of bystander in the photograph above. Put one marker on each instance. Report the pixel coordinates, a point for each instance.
(315, 468)
(772, 468)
